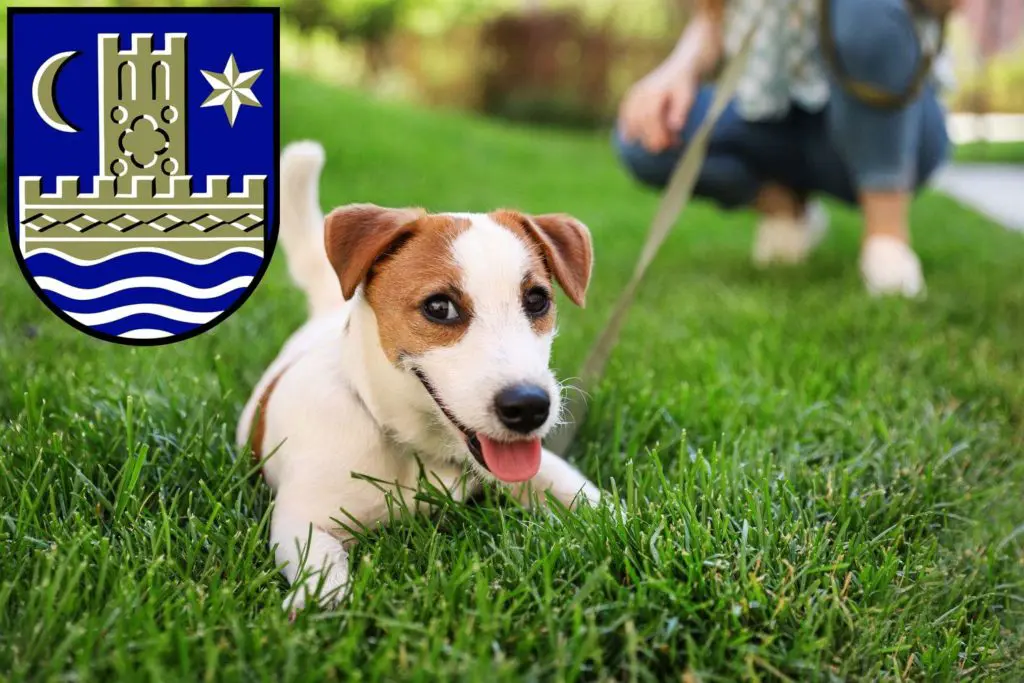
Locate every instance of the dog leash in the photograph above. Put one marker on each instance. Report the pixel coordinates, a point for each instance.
(674, 200)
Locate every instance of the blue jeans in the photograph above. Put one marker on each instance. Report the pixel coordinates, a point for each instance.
(847, 148)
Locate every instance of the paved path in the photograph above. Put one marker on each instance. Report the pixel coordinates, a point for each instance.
(995, 190)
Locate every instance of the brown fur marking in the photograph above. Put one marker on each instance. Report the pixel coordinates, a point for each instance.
(568, 250)
(357, 235)
(259, 426)
(564, 244)
(422, 267)
(539, 274)
(403, 256)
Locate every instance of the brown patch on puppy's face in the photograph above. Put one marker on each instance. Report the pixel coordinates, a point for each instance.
(356, 236)
(465, 303)
(564, 246)
(538, 278)
(399, 285)
(404, 257)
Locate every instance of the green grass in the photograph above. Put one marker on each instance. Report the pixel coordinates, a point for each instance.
(990, 152)
(820, 486)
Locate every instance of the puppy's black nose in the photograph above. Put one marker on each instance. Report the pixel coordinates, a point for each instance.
(522, 407)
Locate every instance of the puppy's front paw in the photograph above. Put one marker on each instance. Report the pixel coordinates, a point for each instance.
(293, 604)
(617, 509)
(589, 496)
(328, 593)
(890, 266)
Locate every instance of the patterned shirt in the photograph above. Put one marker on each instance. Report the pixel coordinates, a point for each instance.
(784, 64)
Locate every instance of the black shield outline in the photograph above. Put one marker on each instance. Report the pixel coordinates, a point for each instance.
(269, 242)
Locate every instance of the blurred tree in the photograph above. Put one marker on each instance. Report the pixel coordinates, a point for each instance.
(370, 23)
(194, 3)
(306, 14)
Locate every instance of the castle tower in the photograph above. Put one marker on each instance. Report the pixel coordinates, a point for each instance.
(143, 107)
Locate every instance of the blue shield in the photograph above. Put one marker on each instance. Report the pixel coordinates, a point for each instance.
(142, 179)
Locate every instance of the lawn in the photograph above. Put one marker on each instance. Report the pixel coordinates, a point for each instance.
(991, 152)
(819, 486)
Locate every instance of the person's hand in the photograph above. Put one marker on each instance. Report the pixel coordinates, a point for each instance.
(655, 108)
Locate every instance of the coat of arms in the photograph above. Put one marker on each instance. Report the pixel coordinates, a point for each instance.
(143, 164)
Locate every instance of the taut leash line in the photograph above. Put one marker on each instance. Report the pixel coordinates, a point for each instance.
(674, 200)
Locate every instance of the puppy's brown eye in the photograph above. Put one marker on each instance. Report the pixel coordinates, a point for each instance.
(441, 309)
(536, 302)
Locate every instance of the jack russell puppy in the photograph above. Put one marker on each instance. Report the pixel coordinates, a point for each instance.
(425, 354)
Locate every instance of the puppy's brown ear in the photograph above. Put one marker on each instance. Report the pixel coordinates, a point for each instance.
(357, 235)
(568, 251)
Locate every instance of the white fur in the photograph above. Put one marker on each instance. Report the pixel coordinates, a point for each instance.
(890, 266)
(340, 408)
(500, 348)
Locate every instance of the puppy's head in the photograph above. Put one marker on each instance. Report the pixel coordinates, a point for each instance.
(465, 303)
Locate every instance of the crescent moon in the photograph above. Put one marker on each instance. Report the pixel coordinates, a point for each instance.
(44, 92)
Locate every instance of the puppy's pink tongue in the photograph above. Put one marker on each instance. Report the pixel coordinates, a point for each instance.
(511, 461)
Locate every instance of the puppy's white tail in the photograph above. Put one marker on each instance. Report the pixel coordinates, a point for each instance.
(302, 226)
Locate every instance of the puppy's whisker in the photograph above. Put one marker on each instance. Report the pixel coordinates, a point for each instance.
(408, 363)
(568, 386)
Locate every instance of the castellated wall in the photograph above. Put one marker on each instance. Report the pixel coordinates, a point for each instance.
(107, 212)
(142, 190)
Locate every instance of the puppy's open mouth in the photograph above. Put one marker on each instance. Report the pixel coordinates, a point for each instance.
(509, 461)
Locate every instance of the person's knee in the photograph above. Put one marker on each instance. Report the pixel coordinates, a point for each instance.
(651, 169)
(875, 41)
(723, 180)
(726, 185)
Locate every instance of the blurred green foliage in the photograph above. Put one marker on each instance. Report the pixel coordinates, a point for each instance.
(357, 38)
(997, 87)
(362, 20)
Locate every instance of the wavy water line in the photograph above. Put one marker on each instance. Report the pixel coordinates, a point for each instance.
(169, 312)
(85, 294)
(145, 295)
(144, 321)
(145, 333)
(144, 250)
(143, 265)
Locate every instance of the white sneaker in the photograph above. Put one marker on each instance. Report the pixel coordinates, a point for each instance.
(890, 266)
(787, 240)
